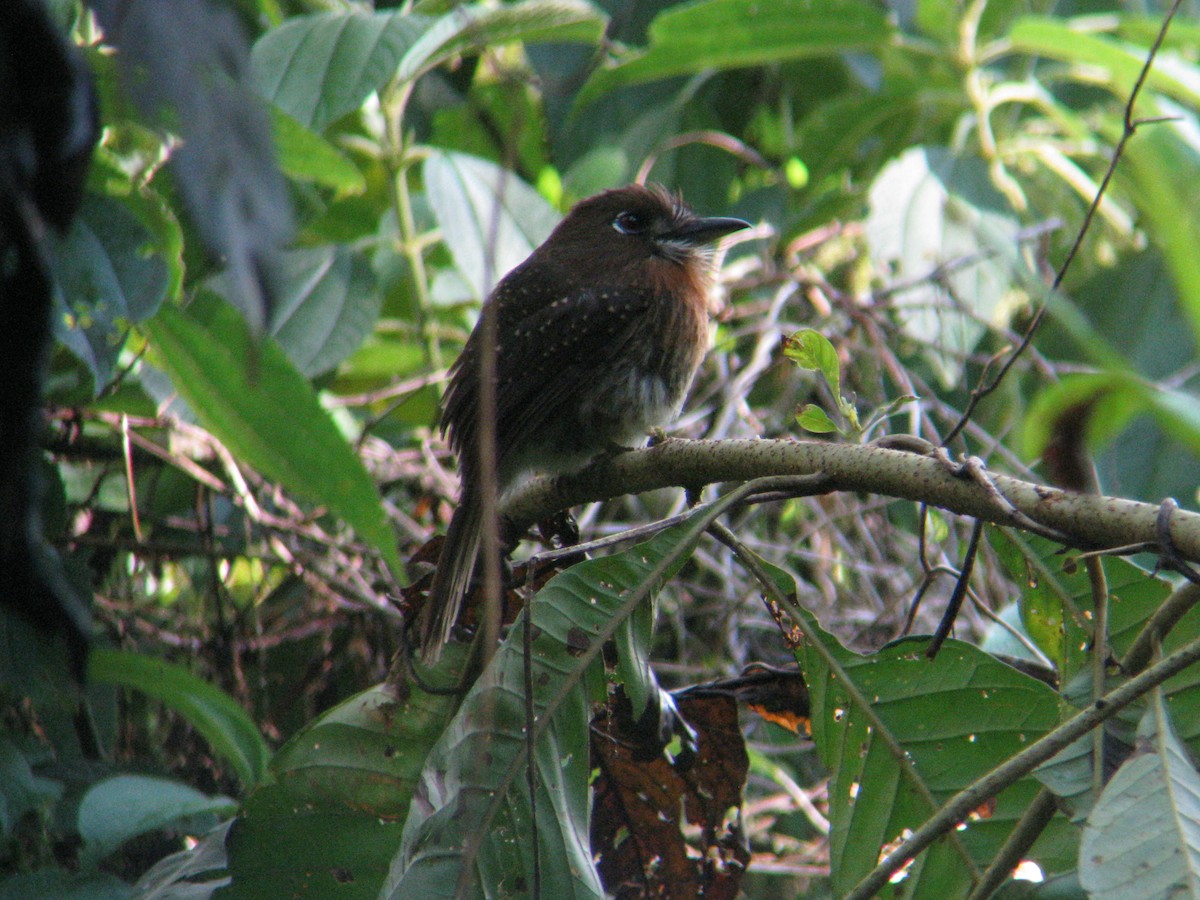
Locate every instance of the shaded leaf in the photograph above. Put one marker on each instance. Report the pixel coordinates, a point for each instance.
(124, 806)
(19, 792)
(1163, 165)
(471, 814)
(197, 88)
(259, 406)
(1143, 835)
(317, 68)
(1056, 601)
(59, 884)
(330, 822)
(106, 281)
(327, 305)
(193, 873)
(471, 28)
(954, 717)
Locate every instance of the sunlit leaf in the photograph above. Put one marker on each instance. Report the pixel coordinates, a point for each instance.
(726, 34)
(306, 156)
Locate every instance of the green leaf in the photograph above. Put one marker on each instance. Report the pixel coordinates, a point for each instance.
(813, 351)
(281, 848)
(728, 34)
(306, 156)
(326, 304)
(813, 418)
(1163, 164)
(107, 282)
(318, 68)
(218, 717)
(1142, 838)
(1112, 399)
(330, 822)
(468, 29)
(954, 718)
(122, 807)
(930, 209)
(1056, 600)
(472, 791)
(256, 403)
(1076, 42)
(1178, 412)
(490, 219)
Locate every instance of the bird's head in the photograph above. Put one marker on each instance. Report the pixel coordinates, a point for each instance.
(618, 230)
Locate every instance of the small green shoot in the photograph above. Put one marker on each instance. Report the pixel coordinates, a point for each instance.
(811, 350)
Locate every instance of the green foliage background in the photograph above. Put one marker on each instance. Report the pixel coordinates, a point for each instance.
(245, 512)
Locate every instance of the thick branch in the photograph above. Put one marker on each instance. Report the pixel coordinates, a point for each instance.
(1086, 521)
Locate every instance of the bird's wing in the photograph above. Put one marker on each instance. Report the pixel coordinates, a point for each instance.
(548, 358)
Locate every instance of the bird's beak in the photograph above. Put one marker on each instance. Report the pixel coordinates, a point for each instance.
(699, 231)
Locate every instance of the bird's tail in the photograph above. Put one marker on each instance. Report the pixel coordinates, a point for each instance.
(455, 567)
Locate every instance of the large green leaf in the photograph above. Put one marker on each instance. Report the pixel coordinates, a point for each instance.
(1114, 398)
(223, 723)
(319, 67)
(727, 34)
(490, 219)
(470, 821)
(1057, 612)
(954, 718)
(330, 822)
(252, 398)
(1142, 838)
(1056, 600)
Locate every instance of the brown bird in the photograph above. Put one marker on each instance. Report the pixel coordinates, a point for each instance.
(598, 335)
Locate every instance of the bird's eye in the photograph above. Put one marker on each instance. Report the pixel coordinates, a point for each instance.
(631, 223)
